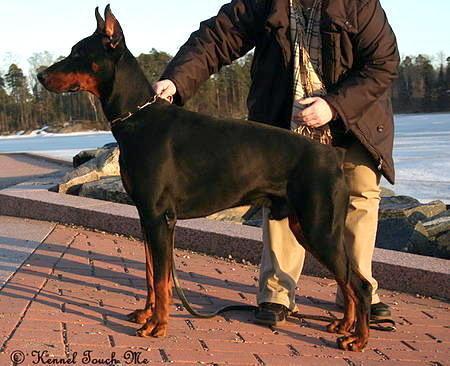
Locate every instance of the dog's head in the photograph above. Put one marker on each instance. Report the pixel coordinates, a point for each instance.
(91, 63)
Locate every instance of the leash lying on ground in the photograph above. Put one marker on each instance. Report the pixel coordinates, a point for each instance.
(374, 324)
(204, 315)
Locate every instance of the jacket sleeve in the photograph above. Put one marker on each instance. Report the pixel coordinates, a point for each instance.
(376, 60)
(218, 42)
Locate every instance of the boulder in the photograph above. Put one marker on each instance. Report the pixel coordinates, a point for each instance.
(106, 189)
(408, 207)
(247, 215)
(106, 163)
(443, 245)
(253, 217)
(86, 155)
(437, 225)
(386, 192)
(399, 234)
(233, 214)
(407, 225)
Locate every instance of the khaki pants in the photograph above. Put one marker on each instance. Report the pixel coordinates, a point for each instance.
(283, 257)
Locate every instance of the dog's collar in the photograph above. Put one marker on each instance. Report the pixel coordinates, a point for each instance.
(130, 114)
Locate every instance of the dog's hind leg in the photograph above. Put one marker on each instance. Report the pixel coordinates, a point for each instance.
(340, 326)
(347, 323)
(140, 316)
(160, 233)
(320, 210)
(355, 289)
(362, 291)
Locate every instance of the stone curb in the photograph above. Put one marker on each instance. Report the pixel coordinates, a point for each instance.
(394, 270)
(42, 158)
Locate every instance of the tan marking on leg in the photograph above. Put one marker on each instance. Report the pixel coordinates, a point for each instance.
(347, 323)
(357, 340)
(140, 316)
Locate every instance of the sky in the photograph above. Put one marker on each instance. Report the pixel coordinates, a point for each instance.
(29, 26)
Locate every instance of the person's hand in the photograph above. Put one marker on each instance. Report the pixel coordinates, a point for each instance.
(318, 113)
(165, 89)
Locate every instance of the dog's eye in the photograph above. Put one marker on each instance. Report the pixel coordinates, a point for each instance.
(95, 67)
(76, 54)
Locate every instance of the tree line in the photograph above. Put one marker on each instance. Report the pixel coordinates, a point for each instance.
(25, 104)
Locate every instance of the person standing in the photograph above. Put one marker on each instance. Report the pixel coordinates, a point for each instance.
(322, 68)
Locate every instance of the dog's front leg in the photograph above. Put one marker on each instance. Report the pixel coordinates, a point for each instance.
(160, 233)
(140, 316)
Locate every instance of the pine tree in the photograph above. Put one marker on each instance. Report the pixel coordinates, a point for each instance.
(18, 90)
(3, 105)
(153, 63)
(443, 101)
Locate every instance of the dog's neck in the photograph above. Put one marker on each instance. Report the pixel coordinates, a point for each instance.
(130, 88)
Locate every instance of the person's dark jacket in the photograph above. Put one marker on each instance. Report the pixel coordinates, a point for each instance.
(360, 61)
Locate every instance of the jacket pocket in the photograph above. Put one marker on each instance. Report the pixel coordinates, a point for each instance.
(377, 127)
(382, 123)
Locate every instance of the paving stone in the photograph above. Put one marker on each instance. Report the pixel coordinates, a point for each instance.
(304, 361)
(18, 239)
(59, 298)
(196, 357)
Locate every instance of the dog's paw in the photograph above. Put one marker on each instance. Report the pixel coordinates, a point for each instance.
(352, 343)
(140, 316)
(153, 328)
(340, 326)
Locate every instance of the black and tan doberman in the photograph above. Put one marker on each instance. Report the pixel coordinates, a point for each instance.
(177, 164)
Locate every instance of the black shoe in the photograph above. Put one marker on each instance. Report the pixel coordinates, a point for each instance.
(269, 313)
(380, 311)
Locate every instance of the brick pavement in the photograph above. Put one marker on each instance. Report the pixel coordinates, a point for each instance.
(72, 295)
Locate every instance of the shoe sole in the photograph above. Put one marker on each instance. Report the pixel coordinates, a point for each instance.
(380, 317)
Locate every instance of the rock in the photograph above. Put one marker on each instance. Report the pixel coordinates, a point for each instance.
(253, 217)
(105, 164)
(409, 226)
(110, 145)
(437, 226)
(399, 234)
(404, 206)
(402, 227)
(390, 206)
(443, 215)
(443, 245)
(86, 155)
(232, 214)
(106, 189)
(386, 192)
(248, 215)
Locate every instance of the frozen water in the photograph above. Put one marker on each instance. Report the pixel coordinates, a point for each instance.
(55, 144)
(422, 156)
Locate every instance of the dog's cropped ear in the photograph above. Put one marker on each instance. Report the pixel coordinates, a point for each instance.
(100, 22)
(113, 30)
